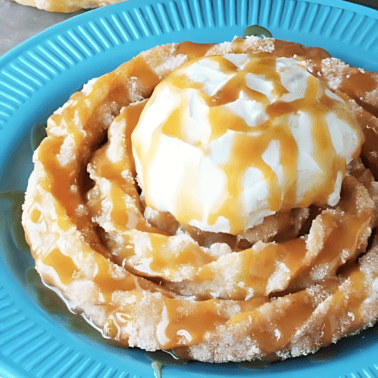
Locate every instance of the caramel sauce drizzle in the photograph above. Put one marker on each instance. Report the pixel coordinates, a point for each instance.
(107, 283)
(257, 266)
(250, 143)
(346, 226)
(196, 319)
(125, 214)
(35, 215)
(165, 258)
(276, 322)
(63, 265)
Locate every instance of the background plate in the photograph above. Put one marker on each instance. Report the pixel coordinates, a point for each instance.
(38, 337)
(18, 23)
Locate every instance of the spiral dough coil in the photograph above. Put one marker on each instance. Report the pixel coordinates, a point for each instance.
(299, 281)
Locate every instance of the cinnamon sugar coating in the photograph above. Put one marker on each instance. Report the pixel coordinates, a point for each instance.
(147, 281)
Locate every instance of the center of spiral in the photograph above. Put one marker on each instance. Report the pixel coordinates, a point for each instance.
(225, 141)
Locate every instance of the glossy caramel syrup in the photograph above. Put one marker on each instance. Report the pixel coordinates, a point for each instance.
(250, 143)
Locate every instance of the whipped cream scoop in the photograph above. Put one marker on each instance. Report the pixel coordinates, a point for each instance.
(225, 141)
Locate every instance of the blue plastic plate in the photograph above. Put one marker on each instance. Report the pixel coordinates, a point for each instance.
(38, 336)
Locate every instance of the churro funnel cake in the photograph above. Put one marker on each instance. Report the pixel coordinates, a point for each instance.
(219, 201)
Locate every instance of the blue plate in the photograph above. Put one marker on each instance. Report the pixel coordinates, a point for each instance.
(38, 336)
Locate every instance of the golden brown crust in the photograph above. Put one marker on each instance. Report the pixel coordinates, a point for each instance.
(208, 299)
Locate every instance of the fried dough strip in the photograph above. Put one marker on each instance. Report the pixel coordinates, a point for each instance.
(190, 270)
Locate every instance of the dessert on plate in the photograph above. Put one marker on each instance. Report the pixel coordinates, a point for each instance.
(219, 201)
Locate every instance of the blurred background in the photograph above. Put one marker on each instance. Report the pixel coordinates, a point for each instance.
(18, 22)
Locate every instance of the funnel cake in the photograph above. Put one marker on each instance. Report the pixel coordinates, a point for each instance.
(300, 280)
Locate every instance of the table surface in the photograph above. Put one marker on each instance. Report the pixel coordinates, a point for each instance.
(19, 22)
